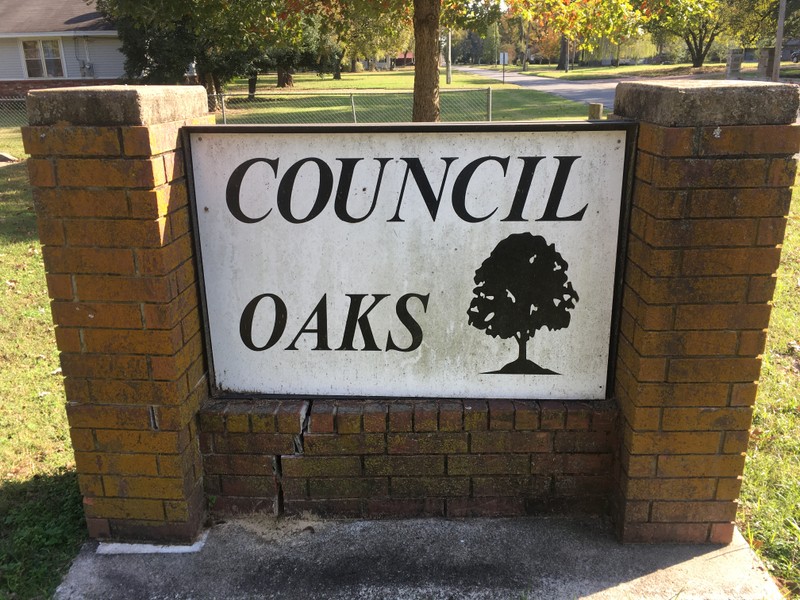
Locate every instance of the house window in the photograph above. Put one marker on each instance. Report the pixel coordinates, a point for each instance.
(43, 58)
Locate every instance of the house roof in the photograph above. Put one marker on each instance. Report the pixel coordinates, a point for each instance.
(50, 16)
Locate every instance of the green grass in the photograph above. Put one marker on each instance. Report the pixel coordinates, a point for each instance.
(41, 517)
(400, 79)
(769, 514)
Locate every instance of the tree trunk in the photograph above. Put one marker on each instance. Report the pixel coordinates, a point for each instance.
(563, 55)
(353, 64)
(213, 99)
(426, 56)
(285, 78)
(251, 87)
(523, 348)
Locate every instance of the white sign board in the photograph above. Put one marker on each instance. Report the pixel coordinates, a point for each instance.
(450, 261)
(504, 58)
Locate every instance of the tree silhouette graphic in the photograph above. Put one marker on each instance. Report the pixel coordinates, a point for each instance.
(522, 287)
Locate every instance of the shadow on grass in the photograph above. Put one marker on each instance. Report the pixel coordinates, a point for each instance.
(41, 530)
(17, 216)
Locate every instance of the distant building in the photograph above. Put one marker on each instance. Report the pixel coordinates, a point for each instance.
(55, 43)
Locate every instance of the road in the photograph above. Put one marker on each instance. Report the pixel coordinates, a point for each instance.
(594, 90)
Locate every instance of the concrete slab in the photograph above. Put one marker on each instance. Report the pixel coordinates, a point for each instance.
(530, 558)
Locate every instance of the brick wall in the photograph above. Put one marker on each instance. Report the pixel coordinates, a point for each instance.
(714, 168)
(111, 203)
(715, 164)
(408, 458)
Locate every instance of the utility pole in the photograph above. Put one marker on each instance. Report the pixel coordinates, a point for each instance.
(449, 56)
(776, 67)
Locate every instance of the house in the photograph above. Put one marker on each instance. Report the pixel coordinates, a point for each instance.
(55, 43)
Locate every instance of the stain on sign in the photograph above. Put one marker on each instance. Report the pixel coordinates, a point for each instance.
(431, 261)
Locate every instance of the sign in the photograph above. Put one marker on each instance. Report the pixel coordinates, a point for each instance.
(504, 58)
(414, 261)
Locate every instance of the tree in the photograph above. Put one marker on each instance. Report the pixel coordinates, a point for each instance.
(521, 287)
(696, 22)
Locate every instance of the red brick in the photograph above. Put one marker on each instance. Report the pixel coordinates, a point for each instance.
(734, 316)
(290, 416)
(151, 139)
(158, 202)
(405, 508)
(124, 289)
(450, 416)
(71, 141)
(98, 529)
(476, 415)
(333, 444)
(752, 343)
(488, 464)
(582, 485)
(700, 232)
(498, 486)
(124, 508)
(781, 172)
(693, 512)
(375, 417)
(651, 533)
(729, 488)
(401, 417)
(362, 487)
(553, 414)
(639, 465)
(41, 172)
(322, 417)
(120, 464)
(425, 416)
(128, 341)
(96, 314)
(714, 369)
(348, 417)
(511, 442)
(526, 415)
(671, 489)
(702, 465)
(254, 443)
(141, 172)
(404, 466)
(108, 417)
(427, 443)
(735, 442)
(579, 415)
(731, 261)
(694, 442)
(144, 487)
(744, 394)
(339, 508)
(721, 533)
(662, 204)
(321, 466)
(248, 486)
(112, 366)
(105, 391)
(501, 414)
(700, 173)
(749, 140)
(424, 487)
(59, 287)
(68, 339)
(771, 231)
(111, 261)
(582, 441)
(666, 141)
(746, 202)
(761, 289)
(459, 508)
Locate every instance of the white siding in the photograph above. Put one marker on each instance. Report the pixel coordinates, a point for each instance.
(106, 57)
(10, 60)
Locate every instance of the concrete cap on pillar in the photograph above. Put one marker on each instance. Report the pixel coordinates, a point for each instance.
(699, 103)
(110, 105)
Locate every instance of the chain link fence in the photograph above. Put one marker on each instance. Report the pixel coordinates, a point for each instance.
(292, 108)
(12, 117)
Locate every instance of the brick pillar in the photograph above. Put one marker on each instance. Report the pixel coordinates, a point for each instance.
(714, 168)
(107, 174)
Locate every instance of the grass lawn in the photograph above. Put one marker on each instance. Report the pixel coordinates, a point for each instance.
(41, 523)
(769, 514)
(41, 517)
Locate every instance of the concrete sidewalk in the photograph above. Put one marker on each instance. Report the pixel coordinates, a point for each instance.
(526, 558)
